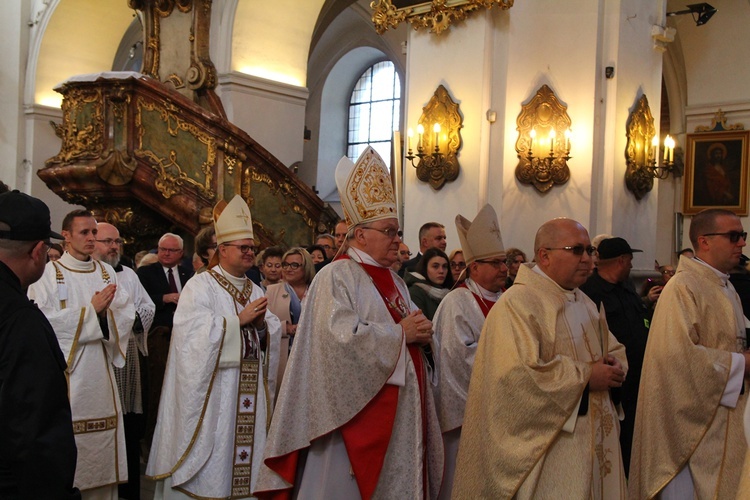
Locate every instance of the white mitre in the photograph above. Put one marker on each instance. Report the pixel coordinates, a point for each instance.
(232, 221)
(480, 239)
(365, 189)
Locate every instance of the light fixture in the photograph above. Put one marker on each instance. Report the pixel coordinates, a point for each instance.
(538, 124)
(644, 163)
(701, 12)
(436, 157)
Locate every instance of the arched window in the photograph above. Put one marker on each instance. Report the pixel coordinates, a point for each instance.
(374, 111)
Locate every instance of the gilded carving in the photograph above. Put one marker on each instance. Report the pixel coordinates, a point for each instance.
(719, 124)
(170, 173)
(282, 191)
(435, 15)
(543, 114)
(439, 167)
(639, 149)
(82, 129)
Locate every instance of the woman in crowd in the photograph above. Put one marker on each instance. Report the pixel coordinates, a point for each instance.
(433, 281)
(458, 266)
(269, 262)
(317, 252)
(514, 259)
(55, 251)
(285, 298)
(205, 247)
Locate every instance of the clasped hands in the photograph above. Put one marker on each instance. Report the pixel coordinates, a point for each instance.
(417, 328)
(605, 376)
(254, 313)
(103, 298)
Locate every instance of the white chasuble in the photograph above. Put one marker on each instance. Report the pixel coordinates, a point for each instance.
(214, 410)
(64, 295)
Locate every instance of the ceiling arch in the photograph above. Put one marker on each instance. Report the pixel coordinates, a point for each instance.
(67, 45)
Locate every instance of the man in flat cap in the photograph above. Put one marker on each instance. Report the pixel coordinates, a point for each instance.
(627, 318)
(36, 434)
(355, 417)
(93, 318)
(540, 422)
(214, 408)
(458, 324)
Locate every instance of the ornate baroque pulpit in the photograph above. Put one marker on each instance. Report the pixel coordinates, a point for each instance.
(148, 151)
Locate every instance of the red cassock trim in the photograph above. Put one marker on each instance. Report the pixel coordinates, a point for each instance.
(367, 435)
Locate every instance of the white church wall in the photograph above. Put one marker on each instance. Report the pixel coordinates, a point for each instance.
(272, 113)
(580, 38)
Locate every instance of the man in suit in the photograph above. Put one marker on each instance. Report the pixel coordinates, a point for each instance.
(431, 234)
(163, 280)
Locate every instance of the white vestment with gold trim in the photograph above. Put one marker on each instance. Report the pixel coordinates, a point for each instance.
(194, 450)
(64, 295)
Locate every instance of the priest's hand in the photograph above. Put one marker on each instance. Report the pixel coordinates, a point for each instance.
(103, 298)
(605, 376)
(417, 328)
(254, 313)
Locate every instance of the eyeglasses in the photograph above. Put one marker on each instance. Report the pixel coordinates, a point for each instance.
(671, 273)
(243, 248)
(494, 263)
(734, 236)
(389, 232)
(327, 247)
(110, 241)
(271, 265)
(404, 253)
(169, 250)
(293, 265)
(577, 249)
(514, 261)
(458, 265)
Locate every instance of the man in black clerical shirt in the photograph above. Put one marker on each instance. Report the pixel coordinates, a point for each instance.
(37, 448)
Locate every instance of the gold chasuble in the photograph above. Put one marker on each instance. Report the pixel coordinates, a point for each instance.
(532, 429)
(680, 420)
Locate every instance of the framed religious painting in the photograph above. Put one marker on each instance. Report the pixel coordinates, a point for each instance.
(716, 172)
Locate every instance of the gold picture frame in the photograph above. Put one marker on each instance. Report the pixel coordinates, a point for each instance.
(716, 172)
(433, 15)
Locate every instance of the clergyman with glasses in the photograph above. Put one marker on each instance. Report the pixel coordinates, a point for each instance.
(458, 324)
(163, 281)
(689, 437)
(215, 410)
(369, 427)
(539, 420)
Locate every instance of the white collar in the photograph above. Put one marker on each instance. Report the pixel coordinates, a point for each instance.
(569, 294)
(71, 262)
(483, 292)
(722, 276)
(362, 257)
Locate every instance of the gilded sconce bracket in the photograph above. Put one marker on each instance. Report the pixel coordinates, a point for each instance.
(642, 151)
(435, 15)
(543, 143)
(438, 141)
(638, 151)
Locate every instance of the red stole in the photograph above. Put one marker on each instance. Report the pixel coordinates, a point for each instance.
(484, 304)
(367, 435)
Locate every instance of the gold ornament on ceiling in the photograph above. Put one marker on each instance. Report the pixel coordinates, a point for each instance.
(435, 16)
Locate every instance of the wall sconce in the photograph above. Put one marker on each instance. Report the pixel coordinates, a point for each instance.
(642, 151)
(436, 158)
(538, 125)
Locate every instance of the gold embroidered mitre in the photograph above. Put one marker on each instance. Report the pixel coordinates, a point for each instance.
(365, 189)
(232, 221)
(481, 238)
